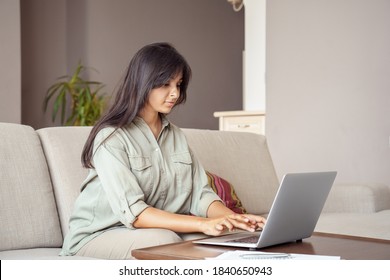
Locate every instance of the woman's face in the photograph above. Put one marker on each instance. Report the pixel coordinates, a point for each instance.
(163, 99)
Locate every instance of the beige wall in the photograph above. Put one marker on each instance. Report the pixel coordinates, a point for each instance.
(105, 35)
(44, 58)
(10, 62)
(328, 87)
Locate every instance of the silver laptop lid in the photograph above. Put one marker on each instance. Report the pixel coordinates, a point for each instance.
(293, 214)
(296, 207)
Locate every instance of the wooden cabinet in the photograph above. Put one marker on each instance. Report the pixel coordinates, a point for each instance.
(242, 121)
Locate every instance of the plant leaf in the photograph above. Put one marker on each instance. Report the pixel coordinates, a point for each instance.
(85, 104)
(63, 107)
(49, 93)
(57, 103)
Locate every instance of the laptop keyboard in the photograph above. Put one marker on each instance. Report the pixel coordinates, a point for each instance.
(249, 239)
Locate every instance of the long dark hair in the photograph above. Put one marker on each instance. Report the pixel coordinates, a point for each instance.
(151, 67)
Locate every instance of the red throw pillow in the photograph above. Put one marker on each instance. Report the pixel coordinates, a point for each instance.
(226, 192)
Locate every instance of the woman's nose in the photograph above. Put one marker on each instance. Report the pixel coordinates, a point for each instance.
(174, 92)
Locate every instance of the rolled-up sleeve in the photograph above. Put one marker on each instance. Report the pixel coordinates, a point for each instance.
(203, 195)
(123, 192)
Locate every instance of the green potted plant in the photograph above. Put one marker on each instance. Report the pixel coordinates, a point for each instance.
(83, 96)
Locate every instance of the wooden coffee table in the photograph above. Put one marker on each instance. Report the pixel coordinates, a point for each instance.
(347, 247)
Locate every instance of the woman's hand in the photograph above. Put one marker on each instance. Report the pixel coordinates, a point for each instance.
(217, 226)
(220, 219)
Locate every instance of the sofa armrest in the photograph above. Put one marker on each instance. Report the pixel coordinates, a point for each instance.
(358, 198)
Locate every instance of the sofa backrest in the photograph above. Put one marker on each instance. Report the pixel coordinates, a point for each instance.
(28, 213)
(62, 147)
(241, 158)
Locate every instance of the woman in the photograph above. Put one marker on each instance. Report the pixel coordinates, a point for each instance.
(144, 185)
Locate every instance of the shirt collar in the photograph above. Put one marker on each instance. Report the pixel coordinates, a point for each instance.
(164, 121)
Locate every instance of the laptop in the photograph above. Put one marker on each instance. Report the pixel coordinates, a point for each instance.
(293, 216)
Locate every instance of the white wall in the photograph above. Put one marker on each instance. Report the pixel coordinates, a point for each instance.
(10, 62)
(254, 55)
(328, 87)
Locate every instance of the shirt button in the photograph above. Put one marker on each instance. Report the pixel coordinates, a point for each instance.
(157, 149)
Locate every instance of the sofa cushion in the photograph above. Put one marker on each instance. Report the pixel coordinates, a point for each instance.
(38, 254)
(358, 198)
(62, 147)
(241, 158)
(373, 225)
(28, 213)
(226, 192)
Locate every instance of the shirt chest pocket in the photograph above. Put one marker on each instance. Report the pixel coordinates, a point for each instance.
(141, 167)
(182, 163)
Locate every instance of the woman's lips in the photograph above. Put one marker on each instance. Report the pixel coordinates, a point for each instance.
(170, 103)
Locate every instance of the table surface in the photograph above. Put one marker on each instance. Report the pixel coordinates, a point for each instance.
(347, 247)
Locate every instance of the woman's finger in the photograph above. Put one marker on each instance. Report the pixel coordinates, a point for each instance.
(242, 224)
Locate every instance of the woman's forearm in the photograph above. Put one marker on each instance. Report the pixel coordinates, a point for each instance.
(220, 218)
(218, 209)
(156, 218)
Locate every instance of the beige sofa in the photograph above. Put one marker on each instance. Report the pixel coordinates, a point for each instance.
(40, 175)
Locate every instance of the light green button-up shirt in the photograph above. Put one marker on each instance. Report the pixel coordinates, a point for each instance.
(134, 170)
